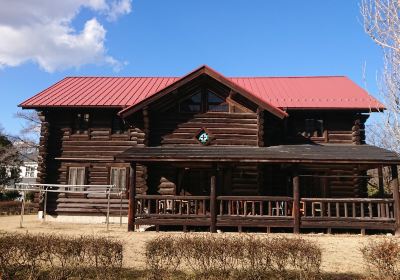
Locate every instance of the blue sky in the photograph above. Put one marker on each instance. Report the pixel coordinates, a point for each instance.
(170, 38)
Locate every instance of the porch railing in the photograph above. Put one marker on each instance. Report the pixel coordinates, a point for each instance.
(359, 208)
(260, 206)
(172, 206)
(266, 210)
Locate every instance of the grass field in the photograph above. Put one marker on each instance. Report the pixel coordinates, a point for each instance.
(341, 254)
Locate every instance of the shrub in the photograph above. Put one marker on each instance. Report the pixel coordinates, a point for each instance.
(27, 256)
(9, 195)
(382, 258)
(30, 196)
(14, 207)
(162, 257)
(224, 256)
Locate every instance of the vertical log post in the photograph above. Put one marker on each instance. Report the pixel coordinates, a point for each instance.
(296, 202)
(380, 182)
(45, 204)
(396, 197)
(132, 194)
(213, 205)
(381, 192)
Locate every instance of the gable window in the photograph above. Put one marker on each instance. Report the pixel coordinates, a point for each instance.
(118, 177)
(81, 123)
(314, 128)
(76, 176)
(203, 101)
(216, 103)
(191, 104)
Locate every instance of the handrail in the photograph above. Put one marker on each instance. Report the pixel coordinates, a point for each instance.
(347, 199)
(256, 198)
(171, 197)
(62, 188)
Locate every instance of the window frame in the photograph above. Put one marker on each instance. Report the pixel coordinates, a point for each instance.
(81, 123)
(195, 92)
(316, 130)
(204, 103)
(119, 177)
(75, 169)
(118, 126)
(30, 171)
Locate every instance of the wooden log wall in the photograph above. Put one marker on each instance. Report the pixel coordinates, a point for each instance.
(226, 129)
(245, 180)
(93, 150)
(339, 127)
(341, 181)
(43, 143)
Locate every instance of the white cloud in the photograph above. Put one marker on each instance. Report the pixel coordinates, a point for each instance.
(119, 8)
(42, 32)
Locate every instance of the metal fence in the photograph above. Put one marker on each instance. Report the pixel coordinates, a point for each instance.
(44, 189)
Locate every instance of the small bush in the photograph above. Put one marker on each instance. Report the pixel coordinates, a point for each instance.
(382, 258)
(27, 256)
(162, 257)
(14, 207)
(9, 195)
(223, 256)
(30, 196)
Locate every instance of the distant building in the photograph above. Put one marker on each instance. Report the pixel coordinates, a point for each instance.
(29, 168)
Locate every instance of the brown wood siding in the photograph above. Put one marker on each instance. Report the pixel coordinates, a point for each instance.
(339, 127)
(245, 180)
(94, 150)
(342, 181)
(227, 129)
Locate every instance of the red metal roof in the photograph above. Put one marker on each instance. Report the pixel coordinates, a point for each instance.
(325, 92)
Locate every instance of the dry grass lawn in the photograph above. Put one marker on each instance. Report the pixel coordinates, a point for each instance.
(340, 252)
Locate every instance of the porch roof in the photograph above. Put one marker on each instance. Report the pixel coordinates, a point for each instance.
(358, 154)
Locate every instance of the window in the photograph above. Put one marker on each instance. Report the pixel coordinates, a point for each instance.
(30, 171)
(314, 128)
(76, 176)
(118, 177)
(81, 123)
(191, 104)
(216, 103)
(202, 101)
(118, 126)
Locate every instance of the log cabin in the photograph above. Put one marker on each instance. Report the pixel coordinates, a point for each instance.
(205, 150)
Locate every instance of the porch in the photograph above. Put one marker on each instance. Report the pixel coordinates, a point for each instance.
(295, 211)
(265, 212)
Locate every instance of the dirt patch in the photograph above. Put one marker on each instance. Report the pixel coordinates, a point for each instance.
(341, 252)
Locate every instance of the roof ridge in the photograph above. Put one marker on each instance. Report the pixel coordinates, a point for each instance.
(234, 77)
(319, 76)
(122, 77)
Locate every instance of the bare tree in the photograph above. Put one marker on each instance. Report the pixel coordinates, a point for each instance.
(10, 161)
(382, 24)
(27, 142)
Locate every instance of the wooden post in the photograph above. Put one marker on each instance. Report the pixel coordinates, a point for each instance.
(108, 208)
(380, 182)
(45, 204)
(22, 209)
(296, 202)
(213, 205)
(381, 191)
(132, 194)
(396, 197)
